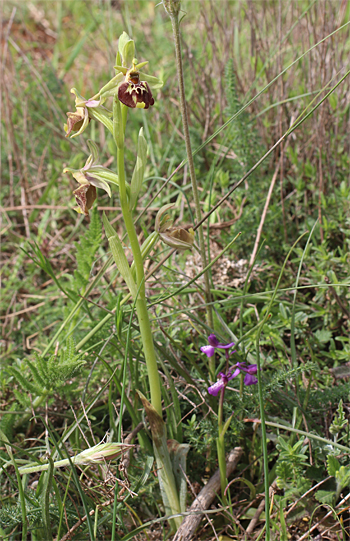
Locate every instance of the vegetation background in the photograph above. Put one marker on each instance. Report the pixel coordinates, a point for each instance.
(50, 255)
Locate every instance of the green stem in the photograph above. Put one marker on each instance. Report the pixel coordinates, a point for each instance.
(264, 439)
(220, 446)
(154, 409)
(141, 306)
(176, 33)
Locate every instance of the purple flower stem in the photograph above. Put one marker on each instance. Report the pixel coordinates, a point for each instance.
(221, 445)
(221, 409)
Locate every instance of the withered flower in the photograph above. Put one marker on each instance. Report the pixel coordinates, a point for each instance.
(79, 119)
(85, 197)
(90, 177)
(135, 93)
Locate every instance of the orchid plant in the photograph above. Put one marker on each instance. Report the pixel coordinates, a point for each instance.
(131, 88)
(218, 388)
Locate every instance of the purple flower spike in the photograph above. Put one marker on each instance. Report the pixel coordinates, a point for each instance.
(209, 350)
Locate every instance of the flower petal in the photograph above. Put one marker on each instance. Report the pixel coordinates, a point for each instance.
(250, 380)
(235, 373)
(208, 350)
(102, 184)
(226, 346)
(216, 387)
(213, 341)
(92, 103)
(251, 369)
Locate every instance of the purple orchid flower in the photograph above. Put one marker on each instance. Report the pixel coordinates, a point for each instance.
(220, 384)
(209, 350)
(249, 378)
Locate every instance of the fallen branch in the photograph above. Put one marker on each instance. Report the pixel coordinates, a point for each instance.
(205, 498)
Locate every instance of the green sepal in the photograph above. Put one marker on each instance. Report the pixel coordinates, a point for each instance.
(102, 173)
(139, 170)
(154, 82)
(119, 256)
(118, 58)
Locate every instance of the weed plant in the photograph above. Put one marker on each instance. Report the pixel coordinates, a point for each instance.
(72, 363)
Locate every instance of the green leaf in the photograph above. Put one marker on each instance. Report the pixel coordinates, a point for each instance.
(225, 427)
(119, 256)
(325, 497)
(343, 477)
(166, 477)
(139, 170)
(332, 465)
(178, 454)
(323, 335)
(23, 381)
(45, 499)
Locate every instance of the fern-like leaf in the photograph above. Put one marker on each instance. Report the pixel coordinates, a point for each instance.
(23, 381)
(86, 250)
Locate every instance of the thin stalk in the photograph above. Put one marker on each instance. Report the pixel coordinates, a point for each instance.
(141, 307)
(264, 438)
(21, 495)
(220, 445)
(154, 410)
(176, 33)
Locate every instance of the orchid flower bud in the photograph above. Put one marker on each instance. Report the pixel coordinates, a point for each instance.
(172, 7)
(176, 237)
(126, 48)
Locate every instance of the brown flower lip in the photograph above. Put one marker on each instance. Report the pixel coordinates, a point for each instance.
(134, 91)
